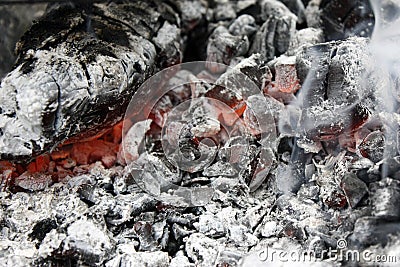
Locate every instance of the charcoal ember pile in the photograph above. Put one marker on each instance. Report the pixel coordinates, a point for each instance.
(200, 133)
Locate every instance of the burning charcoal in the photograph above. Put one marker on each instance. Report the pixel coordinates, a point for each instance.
(221, 185)
(265, 162)
(354, 188)
(222, 47)
(68, 163)
(254, 215)
(24, 211)
(134, 138)
(90, 194)
(89, 152)
(333, 107)
(309, 171)
(68, 82)
(248, 163)
(183, 219)
(343, 18)
(369, 175)
(285, 75)
(255, 73)
(202, 250)
(161, 232)
(261, 109)
(33, 181)
(91, 244)
(373, 146)
(315, 58)
(161, 109)
(68, 208)
(181, 91)
(293, 230)
(145, 234)
(328, 181)
(243, 25)
(385, 198)
(273, 38)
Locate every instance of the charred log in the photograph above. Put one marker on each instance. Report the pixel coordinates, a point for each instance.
(65, 68)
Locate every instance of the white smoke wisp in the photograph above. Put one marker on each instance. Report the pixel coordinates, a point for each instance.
(385, 71)
(385, 50)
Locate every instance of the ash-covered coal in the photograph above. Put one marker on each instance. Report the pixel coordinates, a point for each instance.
(290, 146)
(63, 69)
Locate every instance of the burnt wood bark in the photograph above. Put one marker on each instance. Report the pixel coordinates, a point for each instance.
(76, 71)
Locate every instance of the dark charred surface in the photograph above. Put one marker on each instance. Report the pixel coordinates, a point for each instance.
(84, 37)
(345, 18)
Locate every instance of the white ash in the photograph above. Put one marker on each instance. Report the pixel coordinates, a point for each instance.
(307, 36)
(274, 35)
(313, 13)
(243, 25)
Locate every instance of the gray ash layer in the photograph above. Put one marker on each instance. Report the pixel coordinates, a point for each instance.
(331, 176)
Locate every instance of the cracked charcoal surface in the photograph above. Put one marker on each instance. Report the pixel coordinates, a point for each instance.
(328, 174)
(75, 71)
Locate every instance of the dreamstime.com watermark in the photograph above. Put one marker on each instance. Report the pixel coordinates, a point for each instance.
(340, 254)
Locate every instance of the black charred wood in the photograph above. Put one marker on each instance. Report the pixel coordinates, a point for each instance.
(345, 18)
(68, 65)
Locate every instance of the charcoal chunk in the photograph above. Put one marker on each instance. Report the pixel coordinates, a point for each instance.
(243, 25)
(333, 93)
(373, 146)
(274, 36)
(344, 18)
(72, 72)
(223, 46)
(385, 198)
(41, 228)
(354, 188)
(372, 231)
(89, 242)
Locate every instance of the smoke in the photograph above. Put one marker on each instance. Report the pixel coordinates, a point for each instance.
(385, 55)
